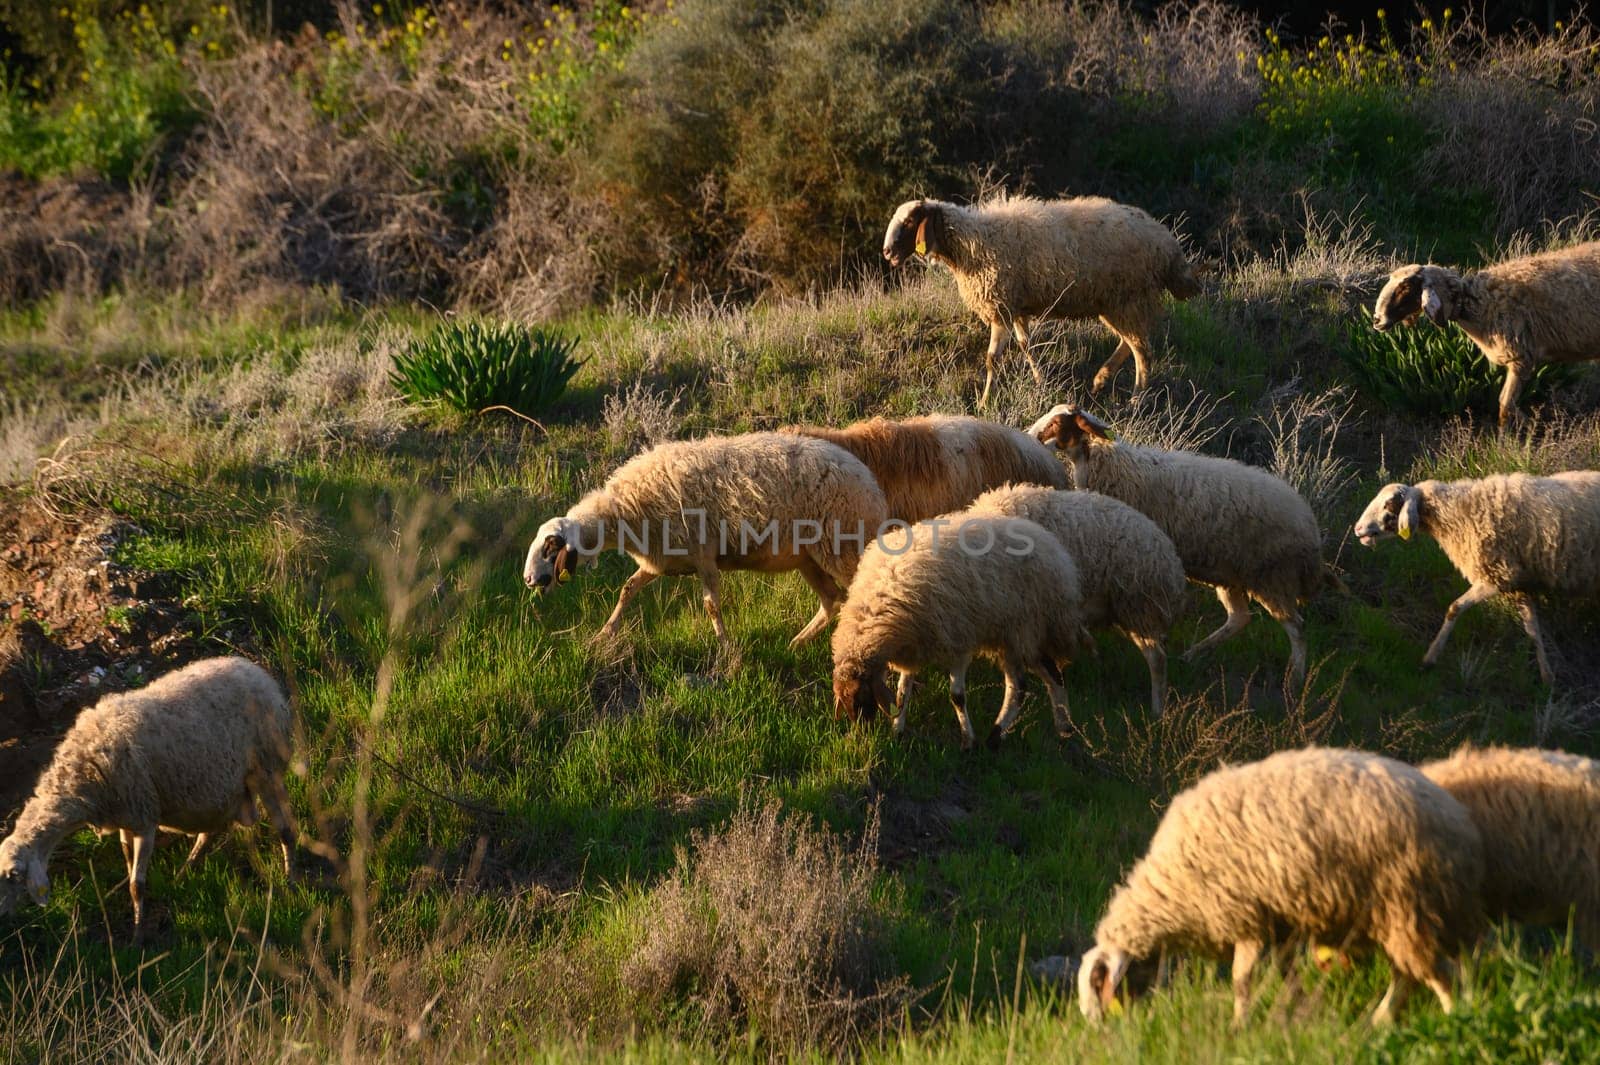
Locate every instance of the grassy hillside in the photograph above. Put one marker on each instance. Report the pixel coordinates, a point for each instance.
(529, 844)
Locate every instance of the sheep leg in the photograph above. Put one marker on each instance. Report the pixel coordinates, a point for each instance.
(126, 839)
(1246, 952)
(902, 700)
(630, 588)
(1394, 1000)
(1020, 329)
(1530, 625)
(201, 842)
(1291, 621)
(1515, 379)
(958, 699)
(276, 799)
(144, 845)
(1155, 656)
(712, 581)
(828, 594)
(1469, 599)
(999, 340)
(1056, 684)
(1108, 370)
(1237, 603)
(1010, 706)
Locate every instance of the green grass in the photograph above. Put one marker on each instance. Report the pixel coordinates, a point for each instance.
(580, 768)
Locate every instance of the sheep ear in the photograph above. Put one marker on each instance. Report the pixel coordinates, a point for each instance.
(1092, 425)
(38, 882)
(563, 563)
(1410, 516)
(1432, 304)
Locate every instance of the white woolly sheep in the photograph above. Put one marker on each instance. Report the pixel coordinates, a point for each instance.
(939, 463)
(1321, 844)
(945, 591)
(762, 501)
(1521, 314)
(1237, 528)
(1508, 534)
(1129, 572)
(1539, 815)
(193, 752)
(1021, 259)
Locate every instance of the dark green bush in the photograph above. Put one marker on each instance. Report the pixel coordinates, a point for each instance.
(1431, 371)
(473, 365)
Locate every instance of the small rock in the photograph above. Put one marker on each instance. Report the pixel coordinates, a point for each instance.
(1056, 969)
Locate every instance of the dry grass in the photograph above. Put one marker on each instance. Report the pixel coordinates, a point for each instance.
(769, 927)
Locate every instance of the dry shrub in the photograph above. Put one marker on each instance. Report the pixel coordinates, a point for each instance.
(640, 417)
(1201, 731)
(769, 928)
(1303, 438)
(68, 235)
(1542, 446)
(1518, 116)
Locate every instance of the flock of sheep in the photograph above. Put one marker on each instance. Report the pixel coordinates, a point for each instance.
(934, 540)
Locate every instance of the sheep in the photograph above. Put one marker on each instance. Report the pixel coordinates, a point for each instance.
(1522, 313)
(1539, 815)
(1021, 259)
(192, 752)
(1321, 844)
(950, 589)
(939, 463)
(761, 501)
(1237, 528)
(1507, 534)
(1129, 572)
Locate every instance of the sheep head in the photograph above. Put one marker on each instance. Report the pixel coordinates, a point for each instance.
(1413, 290)
(21, 870)
(1394, 511)
(914, 230)
(1069, 428)
(553, 555)
(859, 691)
(1099, 978)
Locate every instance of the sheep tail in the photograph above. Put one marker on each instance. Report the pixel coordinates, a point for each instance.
(1181, 280)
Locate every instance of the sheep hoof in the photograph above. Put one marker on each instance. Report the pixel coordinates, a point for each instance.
(995, 736)
(968, 741)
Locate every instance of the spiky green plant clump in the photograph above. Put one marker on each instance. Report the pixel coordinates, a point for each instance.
(473, 365)
(1431, 371)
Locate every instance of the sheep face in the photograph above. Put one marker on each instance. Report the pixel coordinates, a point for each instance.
(1099, 978)
(1394, 511)
(908, 232)
(1410, 291)
(552, 556)
(1070, 429)
(21, 870)
(858, 692)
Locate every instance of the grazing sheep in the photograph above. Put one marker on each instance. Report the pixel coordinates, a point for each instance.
(1508, 534)
(193, 752)
(1129, 572)
(761, 501)
(1521, 314)
(1021, 259)
(1321, 844)
(1237, 528)
(1539, 815)
(945, 591)
(937, 464)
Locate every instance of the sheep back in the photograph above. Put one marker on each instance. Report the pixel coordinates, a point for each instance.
(1539, 308)
(1070, 258)
(1519, 533)
(1339, 845)
(182, 751)
(936, 464)
(701, 487)
(1129, 572)
(1539, 815)
(920, 599)
(1233, 525)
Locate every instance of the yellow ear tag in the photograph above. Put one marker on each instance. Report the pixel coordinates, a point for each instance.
(1404, 531)
(922, 247)
(1114, 1007)
(566, 575)
(1326, 955)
